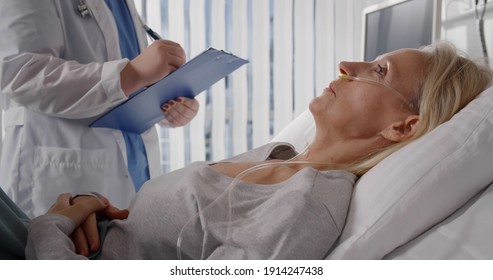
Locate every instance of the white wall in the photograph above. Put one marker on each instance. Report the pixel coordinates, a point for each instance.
(459, 26)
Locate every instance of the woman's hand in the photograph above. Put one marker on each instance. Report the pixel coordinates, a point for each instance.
(154, 63)
(82, 210)
(179, 112)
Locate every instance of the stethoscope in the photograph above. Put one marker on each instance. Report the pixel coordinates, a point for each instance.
(84, 12)
(83, 9)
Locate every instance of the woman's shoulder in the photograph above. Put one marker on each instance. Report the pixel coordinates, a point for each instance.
(339, 174)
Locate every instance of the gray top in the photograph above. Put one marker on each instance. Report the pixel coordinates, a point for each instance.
(299, 218)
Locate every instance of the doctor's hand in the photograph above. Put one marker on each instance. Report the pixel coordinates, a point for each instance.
(154, 63)
(179, 112)
(82, 210)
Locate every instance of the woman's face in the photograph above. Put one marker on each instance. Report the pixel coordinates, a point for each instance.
(351, 109)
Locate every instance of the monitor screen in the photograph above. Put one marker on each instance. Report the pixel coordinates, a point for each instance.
(394, 25)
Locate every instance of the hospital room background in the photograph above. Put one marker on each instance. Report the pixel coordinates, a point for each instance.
(293, 47)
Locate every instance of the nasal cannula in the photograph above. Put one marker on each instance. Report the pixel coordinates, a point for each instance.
(352, 78)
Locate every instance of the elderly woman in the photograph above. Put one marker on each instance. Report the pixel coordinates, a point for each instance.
(271, 202)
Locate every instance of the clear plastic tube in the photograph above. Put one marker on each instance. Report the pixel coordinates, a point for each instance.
(370, 81)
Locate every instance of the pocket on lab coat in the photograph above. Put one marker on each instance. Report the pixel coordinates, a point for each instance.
(59, 170)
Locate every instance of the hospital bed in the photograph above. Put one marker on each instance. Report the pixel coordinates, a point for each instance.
(432, 199)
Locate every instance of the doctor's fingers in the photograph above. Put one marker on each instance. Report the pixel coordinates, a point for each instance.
(170, 63)
(187, 107)
(149, 67)
(170, 52)
(191, 103)
(171, 47)
(175, 119)
(179, 114)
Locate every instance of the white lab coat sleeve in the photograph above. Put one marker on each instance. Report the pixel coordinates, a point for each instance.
(34, 74)
(48, 238)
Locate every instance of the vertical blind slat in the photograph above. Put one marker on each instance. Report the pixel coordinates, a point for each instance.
(153, 13)
(218, 90)
(304, 78)
(197, 45)
(176, 33)
(239, 79)
(260, 72)
(138, 6)
(283, 64)
(325, 68)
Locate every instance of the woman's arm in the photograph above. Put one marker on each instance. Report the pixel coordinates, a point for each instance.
(49, 235)
(48, 238)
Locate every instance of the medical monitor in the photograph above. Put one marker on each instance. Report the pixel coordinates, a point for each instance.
(396, 24)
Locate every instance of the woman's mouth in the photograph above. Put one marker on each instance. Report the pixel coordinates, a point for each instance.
(331, 89)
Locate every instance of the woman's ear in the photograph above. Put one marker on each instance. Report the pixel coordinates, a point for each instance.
(401, 130)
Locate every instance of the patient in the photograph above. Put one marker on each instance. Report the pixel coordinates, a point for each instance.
(294, 207)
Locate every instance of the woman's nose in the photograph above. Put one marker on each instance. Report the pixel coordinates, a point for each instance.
(345, 68)
(353, 69)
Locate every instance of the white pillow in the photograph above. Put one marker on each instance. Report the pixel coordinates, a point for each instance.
(299, 133)
(418, 186)
(465, 235)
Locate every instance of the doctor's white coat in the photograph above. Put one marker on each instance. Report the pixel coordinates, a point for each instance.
(58, 72)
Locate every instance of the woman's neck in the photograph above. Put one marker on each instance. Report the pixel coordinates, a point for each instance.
(343, 152)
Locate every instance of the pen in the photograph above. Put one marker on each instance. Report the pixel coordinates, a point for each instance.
(151, 32)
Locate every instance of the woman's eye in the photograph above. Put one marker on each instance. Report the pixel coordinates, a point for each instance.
(380, 70)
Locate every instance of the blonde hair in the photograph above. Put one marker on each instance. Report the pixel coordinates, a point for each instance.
(451, 81)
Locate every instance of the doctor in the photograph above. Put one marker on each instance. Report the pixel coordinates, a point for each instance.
(61, 67)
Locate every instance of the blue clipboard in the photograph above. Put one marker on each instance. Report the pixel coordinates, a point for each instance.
(143, 109)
